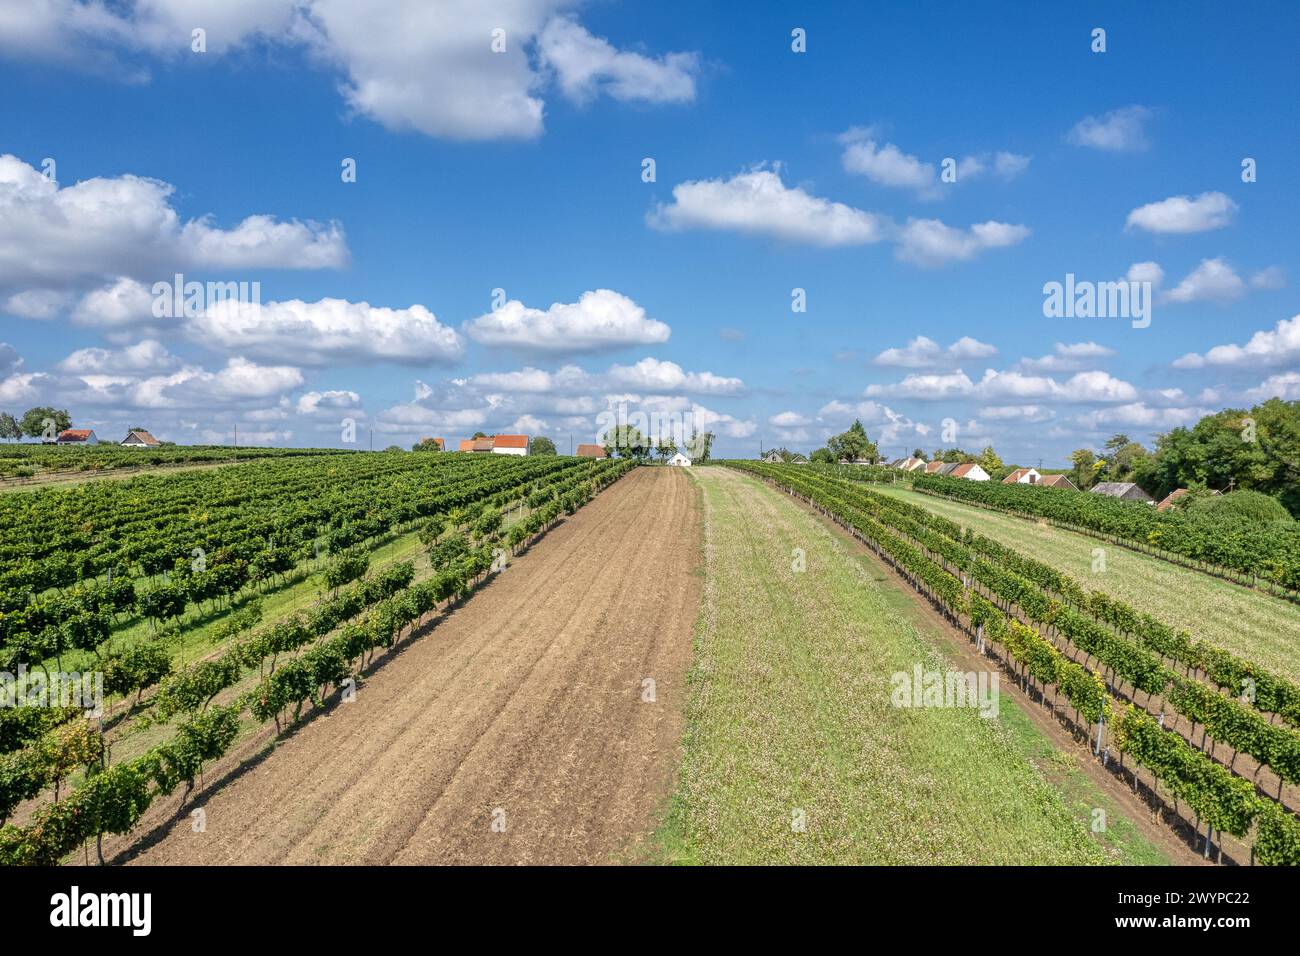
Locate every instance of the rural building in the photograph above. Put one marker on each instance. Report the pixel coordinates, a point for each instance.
(970, 471)
(1023, 476)
(1168, 501)
(510, 444)
(1057, 481)
(77, 436)
(1123, 490)
(913, 464)
(139, 438)
(931, 467)
(897, 463)
(679, 460)
(947, 468)
(799, 459)
(773, 457)
(591, 451)
(497, 444)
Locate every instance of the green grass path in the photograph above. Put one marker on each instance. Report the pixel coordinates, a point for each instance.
(790, 713)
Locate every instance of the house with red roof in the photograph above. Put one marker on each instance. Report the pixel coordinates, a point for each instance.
(77, 436)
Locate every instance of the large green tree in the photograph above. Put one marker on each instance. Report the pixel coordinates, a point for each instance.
(853, 444)
(1256, 449)
(34, 419)
(10, 429)
(626, 441)
(541, 445)
(1085, 470)
(990, 462)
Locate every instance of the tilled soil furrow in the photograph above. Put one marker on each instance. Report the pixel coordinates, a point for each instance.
(528, 698)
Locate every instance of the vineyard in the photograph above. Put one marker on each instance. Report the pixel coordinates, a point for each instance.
(1128, 681)
(31, 461)
(112, 576)
(1253, 553)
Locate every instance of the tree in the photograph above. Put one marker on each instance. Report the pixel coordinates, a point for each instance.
(822, 456)
(1085, 468)
(1258, 450)
(541, 445)
(394, 448)
(1125, 458)
(34, 419)
(853, 445)
(425, 444)
(626, 441)
(700, 446)
(920, 453)
(990, 462)
(479, 435)
(666, 448)
(9, 427)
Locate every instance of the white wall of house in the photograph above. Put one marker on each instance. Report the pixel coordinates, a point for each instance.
(509, 451)
(976, 473)
(1031, 477)
(680, 461)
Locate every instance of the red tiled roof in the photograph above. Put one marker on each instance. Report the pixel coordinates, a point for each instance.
(510, 441)
(1057, 481)
(591, 451)
(75, 434)
(962, 470)
(1170, 498)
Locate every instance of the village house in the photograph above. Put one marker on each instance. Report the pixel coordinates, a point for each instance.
(497, 444)
(1123, 490)
(1023, 476)
(679, 461)
(591, 451)
(1057, 481)
(77, 436)
(139, 438)
(970, 471)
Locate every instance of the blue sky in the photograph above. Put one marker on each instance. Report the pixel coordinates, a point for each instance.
(522, 171)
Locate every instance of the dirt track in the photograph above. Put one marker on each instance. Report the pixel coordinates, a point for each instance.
(528, 699)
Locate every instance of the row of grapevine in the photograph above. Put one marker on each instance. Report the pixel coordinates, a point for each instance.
(1236, 725)
(1269, 693)
(113, 798)
(1270, 552)
(258, 523)
(1225, 801)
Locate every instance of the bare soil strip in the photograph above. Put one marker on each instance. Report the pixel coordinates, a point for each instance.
(524, 709)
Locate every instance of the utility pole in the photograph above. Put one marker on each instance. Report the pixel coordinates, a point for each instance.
(236, 441)
(372, 439)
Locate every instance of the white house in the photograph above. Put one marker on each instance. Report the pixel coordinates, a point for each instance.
(1023, 476)
(970, 471)
(679, 460)
(77, 436)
